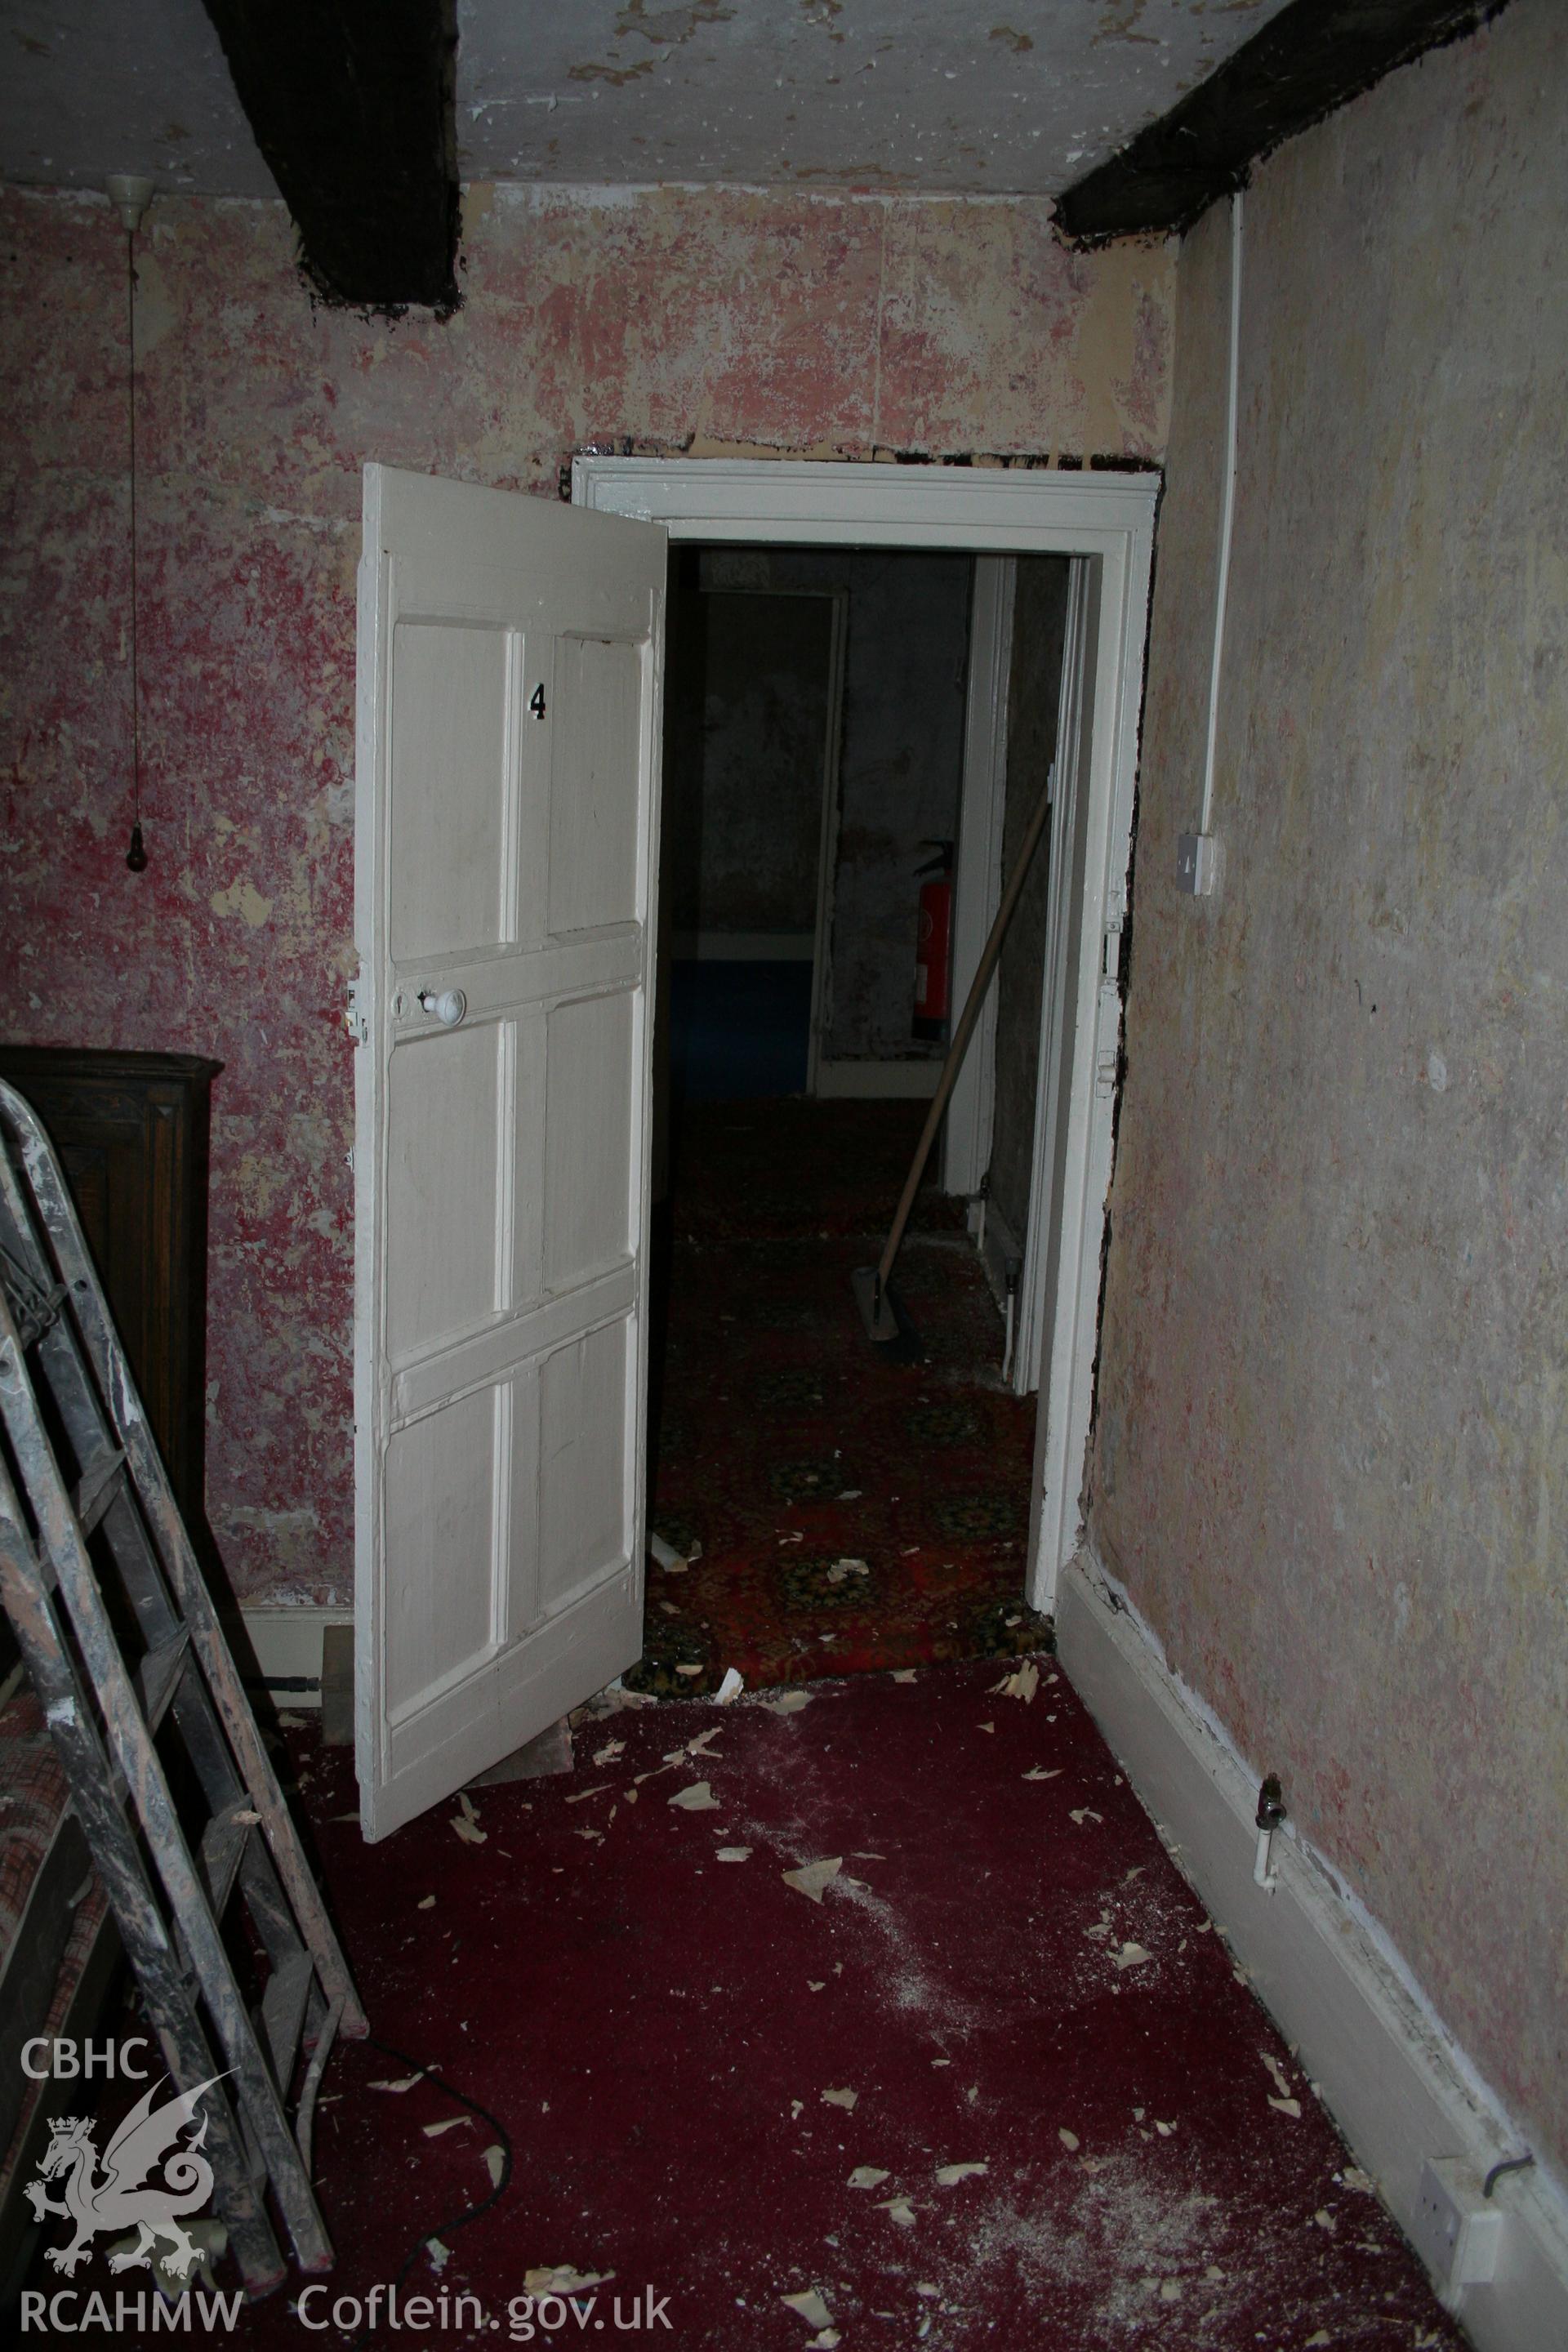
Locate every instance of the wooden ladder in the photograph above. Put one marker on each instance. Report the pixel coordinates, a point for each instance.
(168, 1771)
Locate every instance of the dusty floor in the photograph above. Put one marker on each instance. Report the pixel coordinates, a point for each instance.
(999, 2087)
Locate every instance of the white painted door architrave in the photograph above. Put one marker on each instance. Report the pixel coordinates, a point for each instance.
(966, 1131)
(1106, 523)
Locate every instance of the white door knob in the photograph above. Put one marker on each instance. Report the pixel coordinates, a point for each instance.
(446, 1005)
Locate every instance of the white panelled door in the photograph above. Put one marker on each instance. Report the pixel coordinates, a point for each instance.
(506, 824)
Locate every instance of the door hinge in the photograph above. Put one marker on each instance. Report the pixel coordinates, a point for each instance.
(1108, 1049)
(1115, 920)
(354, 1021)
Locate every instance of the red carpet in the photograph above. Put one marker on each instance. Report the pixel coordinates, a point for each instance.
(659, 2031)
(852, 1511)
(793, 1170)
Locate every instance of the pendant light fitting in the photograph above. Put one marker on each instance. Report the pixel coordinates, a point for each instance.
(132, 193)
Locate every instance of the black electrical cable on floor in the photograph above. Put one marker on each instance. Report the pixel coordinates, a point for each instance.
(443, 2230)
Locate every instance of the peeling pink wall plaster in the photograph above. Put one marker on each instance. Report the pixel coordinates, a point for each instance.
(1331, 1458)
(793, 323)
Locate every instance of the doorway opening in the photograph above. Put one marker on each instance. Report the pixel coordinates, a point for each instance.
(1104, 523)
(846, 731)
(813, 752)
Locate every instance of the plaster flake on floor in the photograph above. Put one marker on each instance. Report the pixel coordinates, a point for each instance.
(899, 2002)
(672, 317)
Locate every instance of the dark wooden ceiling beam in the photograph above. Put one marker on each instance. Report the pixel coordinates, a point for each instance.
(1305, 62)
(352, 104)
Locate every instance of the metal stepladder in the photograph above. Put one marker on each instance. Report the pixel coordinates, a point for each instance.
(182, 1809)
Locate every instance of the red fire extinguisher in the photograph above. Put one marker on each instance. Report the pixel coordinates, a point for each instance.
(933, 945)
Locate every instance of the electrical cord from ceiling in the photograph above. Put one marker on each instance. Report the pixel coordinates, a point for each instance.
(1227, 516)
(136, 855)
(132, 194)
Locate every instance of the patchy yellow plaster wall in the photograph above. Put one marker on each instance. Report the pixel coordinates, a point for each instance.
(1331, 1458)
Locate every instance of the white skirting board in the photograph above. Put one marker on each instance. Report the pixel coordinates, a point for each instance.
(877, 1080)
(1397, 2086)
(287, 1643)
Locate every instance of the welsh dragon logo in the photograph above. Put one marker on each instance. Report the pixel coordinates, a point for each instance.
(124, 2195)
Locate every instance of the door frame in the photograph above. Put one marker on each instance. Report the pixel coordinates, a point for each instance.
(827, 840)
(1106, 523)
(1046, 1203)
(977, 880)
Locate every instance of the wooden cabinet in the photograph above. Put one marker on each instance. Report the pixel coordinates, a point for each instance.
(131, 1133)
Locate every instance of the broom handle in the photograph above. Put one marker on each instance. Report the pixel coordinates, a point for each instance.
(964, 1030)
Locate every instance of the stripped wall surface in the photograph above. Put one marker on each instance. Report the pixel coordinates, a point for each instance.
(1332, 1455)
(901, 775)
(900, 766)
(747, 695)
(700, 319)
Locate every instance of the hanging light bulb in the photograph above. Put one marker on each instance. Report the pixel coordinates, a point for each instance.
(132, 193)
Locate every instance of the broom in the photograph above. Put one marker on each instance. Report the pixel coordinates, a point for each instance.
(882, 1310)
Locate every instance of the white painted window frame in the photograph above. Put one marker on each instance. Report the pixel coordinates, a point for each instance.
(1105, 521)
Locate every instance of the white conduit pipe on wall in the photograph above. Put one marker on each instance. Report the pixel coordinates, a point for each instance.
(1229, 513)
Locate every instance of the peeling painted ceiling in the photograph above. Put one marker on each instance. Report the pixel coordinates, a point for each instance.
(90, 87)
(1001, 96)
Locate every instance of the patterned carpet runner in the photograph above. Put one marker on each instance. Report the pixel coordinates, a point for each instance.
(841, 1511)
